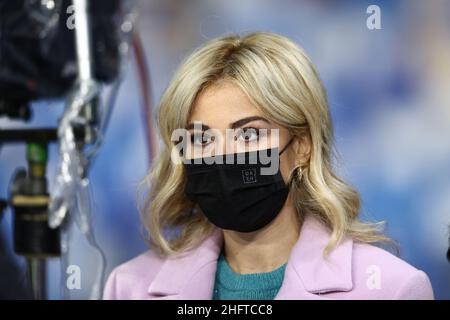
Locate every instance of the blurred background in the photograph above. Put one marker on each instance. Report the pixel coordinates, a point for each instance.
(389, 93)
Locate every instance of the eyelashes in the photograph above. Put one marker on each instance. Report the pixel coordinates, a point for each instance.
(248, 134)
(201, 139)
(243, 135)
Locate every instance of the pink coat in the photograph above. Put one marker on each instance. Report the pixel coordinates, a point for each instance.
(352, 271)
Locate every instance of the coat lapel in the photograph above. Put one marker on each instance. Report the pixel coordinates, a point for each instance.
(191, 275)
(308, 273)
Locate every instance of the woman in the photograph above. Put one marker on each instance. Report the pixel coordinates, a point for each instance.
(239, 233)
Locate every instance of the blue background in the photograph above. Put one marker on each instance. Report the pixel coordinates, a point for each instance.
(389, 93)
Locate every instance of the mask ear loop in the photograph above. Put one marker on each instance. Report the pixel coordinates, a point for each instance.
(286, 146)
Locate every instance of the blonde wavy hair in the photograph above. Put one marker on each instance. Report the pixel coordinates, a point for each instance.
(281, 81)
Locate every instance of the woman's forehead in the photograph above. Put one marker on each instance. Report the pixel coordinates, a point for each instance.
(219, 105)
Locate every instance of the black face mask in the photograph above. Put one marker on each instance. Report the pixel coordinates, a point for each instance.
(237, 196)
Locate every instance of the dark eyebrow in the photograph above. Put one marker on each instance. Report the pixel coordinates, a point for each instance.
(243, 121)
(203, 126)
(233, 125)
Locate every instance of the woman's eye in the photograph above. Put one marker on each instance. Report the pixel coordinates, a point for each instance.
(247, 135)
(201, 139)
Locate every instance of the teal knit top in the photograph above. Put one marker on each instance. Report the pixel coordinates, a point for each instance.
(230, 285)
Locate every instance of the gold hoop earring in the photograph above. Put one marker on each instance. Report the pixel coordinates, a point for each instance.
(296, 174)
(299, 173)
